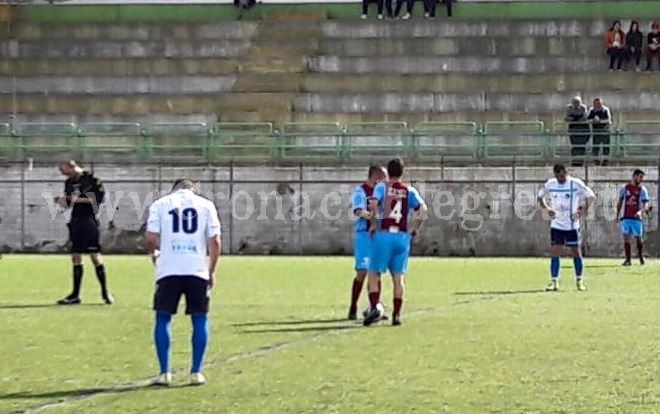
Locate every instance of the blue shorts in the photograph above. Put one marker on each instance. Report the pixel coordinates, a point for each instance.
(569, 238)
(390, 251)
(632, 227)
(362, 250)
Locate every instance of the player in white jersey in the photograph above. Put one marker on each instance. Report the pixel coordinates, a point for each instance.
(184, 226)
(566, 209)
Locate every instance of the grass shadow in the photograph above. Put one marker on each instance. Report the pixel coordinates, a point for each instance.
(43, 305)
(285, 323)
(84, 392)
(500, 292)
(305, 329)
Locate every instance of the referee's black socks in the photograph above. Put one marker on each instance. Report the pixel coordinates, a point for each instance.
(77, 280)
(100, 275)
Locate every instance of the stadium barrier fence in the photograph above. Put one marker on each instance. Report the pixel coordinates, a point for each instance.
(427, 142)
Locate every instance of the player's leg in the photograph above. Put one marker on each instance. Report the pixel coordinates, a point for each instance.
(399, 288)
(638, 232)
(627, 246)
(166, 301)
(362, 250)
(197, 306)
(358, 285)
(77, 274)
(97, 260)
(398, 266)
(573, 242)
(377, 265)
(556, 245)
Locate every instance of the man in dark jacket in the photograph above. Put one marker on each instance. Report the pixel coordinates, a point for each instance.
(601, 119)
(578, 129)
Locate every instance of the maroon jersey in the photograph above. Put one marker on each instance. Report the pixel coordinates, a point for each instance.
(396, 205)
(632, 198)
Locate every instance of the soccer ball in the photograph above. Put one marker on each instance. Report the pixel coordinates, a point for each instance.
(379, 307)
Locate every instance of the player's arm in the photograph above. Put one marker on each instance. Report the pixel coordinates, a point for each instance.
(645, 201)
(152, 235)
(360, 205)
(214, 243)
(542, 201)
(619, 202)
(590, 198)
(420, 212)
(377, 197)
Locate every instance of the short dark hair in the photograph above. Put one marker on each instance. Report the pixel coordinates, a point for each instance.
(638, 172)
(395, 168)
(183, 183)
(559, 168)
(374, 169)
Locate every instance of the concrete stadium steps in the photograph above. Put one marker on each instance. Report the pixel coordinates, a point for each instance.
(548, 118)
(271, 46)
(424, 65)
(465, 82)
(416, 29)
(119, 67)
(355, 85)
(462, 102)
(262, 104)
(104, 96)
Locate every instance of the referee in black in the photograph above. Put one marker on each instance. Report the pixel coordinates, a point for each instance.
(83, 193)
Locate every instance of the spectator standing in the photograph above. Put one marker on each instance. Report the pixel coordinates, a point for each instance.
(601, 119)
(615, 41)
(365, 8)
(429, 7)
(653, 45)
(634, 44)
(578, 129)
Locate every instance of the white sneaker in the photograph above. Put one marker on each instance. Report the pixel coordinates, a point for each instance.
(363, 17)
(164, 380)
(427, 15)
(406, 16)
(380, 17)
(197, 378)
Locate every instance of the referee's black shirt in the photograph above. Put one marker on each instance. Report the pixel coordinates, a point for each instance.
(85, 186)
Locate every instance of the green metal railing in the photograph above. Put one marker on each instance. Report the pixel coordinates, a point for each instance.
(491, 142)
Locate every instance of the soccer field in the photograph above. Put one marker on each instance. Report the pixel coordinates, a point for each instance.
(479, 335)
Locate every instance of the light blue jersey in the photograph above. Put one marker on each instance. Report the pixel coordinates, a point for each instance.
(362, 239)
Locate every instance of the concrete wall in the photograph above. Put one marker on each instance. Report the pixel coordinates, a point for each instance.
(311, 198)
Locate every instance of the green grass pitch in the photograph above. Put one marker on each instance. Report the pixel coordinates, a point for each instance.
(478, 336)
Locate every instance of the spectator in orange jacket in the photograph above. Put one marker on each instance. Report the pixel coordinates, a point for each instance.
(615, 41)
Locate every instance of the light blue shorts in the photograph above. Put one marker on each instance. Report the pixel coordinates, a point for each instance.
(632, 227)
(390, 251)
(362, 250)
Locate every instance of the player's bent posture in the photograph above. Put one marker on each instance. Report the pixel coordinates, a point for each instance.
(634, 198)
(183, 226)
(393, 201)
(362, 238)
(83, 193)
(565, 210)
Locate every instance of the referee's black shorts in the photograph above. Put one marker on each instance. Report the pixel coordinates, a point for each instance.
(84, 235)
(170, 289)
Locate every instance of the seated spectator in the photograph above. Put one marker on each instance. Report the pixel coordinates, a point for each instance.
(365, 8)
(409, 8)
(615, 41)
(601, 118)
(578, 129)
(653, 45)
(634, 40)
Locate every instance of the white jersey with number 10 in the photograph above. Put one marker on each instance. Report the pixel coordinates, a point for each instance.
(185, 222)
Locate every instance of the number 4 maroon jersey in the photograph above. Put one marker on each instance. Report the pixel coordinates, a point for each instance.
(395, 202)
